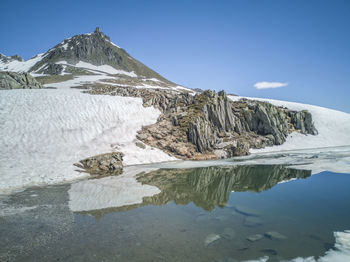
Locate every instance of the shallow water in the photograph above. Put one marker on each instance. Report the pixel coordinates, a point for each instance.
(201, 214)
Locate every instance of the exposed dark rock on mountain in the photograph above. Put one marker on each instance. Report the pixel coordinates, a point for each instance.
(87, 54)
(97, 49)
(210, 125)
(6, 59)
(53, 69)
(102, 165)
(11, 80)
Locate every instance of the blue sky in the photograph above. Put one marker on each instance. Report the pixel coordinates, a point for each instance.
(228, 45)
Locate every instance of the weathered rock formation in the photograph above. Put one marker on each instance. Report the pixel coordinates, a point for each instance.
(11, 80)
(102, 165)
(209, 125)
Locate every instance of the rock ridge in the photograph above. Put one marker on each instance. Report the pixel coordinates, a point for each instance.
(209, 125)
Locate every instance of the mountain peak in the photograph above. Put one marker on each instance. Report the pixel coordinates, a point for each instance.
(87, 54)
(99, 33)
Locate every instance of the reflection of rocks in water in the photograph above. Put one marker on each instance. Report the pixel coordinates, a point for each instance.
(206, 187)
(211, 186)
(275, 235)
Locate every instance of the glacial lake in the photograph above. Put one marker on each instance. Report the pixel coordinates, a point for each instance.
(215, 213)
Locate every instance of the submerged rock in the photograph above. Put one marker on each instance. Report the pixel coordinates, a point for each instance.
(211, 238)
(255, 237)
(252, 222)
(269, 252)
(105, 164)
(228, 233)
(275, 235)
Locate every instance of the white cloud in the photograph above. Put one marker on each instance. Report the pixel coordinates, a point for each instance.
(264, 85)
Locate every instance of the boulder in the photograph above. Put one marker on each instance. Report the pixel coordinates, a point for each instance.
(12, 80)
(105, 164)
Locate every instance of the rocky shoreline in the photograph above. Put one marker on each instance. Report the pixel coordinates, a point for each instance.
(209, 125)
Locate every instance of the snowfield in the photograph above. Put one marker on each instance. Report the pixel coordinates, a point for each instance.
(43, 132)
(333, 128)
(102, 68)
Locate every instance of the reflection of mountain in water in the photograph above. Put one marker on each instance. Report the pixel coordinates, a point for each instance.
(211, 186)
(208, 187)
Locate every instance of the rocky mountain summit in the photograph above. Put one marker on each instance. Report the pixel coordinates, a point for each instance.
(89, 58)
(95, 48)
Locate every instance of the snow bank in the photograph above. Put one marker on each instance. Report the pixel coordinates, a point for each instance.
(43, 132)
(79, 80)
(333, 128)
(102, 68)
(18, 66)
(114, 191)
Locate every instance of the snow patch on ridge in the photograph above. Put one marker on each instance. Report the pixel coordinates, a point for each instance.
(102, 68)
(114, 44)
(19, 66)
(79, 80)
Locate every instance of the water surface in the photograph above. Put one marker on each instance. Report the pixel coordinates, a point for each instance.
(197, 214)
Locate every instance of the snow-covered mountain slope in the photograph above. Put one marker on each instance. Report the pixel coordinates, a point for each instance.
(333, 128)
(84, 55)
(17, 64)
(44, 132)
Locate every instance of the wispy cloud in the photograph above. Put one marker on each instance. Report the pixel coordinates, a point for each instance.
(264, 85)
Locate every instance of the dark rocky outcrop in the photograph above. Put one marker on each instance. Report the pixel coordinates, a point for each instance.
(12, 80)
(53, 69)
(6, 59)
(102, 165)
(210, 125)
